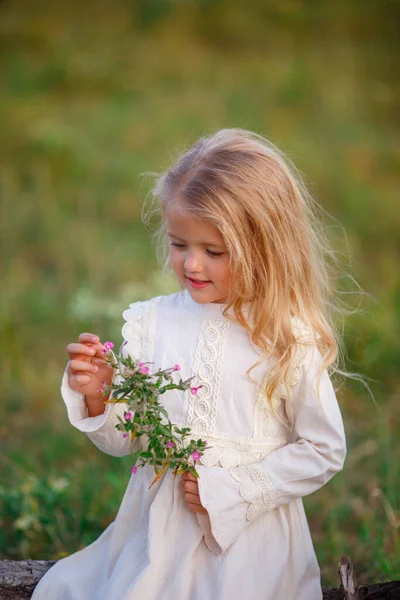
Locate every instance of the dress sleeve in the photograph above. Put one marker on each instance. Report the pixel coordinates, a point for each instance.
(101, 429)
(234, 497)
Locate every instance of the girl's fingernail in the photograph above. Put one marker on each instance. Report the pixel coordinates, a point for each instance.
(95, 369)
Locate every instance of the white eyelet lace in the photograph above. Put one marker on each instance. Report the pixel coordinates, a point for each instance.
(256, 488)
(203, 406)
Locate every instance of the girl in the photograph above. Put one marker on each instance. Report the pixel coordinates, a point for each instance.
(252, 325)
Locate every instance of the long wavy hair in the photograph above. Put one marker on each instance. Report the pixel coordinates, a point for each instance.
(243, 185)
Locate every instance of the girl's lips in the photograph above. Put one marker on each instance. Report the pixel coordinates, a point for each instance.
(196, 284)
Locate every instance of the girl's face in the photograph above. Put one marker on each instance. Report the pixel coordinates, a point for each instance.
(198, 256)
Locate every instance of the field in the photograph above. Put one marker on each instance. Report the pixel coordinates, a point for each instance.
(94, 94)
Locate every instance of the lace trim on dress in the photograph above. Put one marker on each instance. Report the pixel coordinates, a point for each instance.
(266, 424)
(139, 329)
(256, 489)
(133, 328)
(228, 451)
(203, 406)
(227, 457)
(241, 443)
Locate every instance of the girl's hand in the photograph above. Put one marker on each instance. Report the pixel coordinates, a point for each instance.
(88, 369)
(191, 488)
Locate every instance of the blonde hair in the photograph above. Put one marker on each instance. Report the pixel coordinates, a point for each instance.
(243, 185)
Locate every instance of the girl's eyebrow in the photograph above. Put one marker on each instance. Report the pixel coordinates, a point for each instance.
(205, 244)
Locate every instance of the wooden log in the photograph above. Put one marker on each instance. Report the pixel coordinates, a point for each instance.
(376, 591)
(349, 591)
(18, 579)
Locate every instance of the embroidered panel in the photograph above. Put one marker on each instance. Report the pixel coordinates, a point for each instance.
(203, 405)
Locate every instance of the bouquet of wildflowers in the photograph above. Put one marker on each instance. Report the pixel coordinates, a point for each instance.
(168, 446)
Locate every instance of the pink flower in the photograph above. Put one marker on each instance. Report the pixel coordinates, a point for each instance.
(170, 445)
(107, 346)
(177, 368)
(128, 416)
(100, 391)
(196, 455)
(205, 442)
(134, 470)
(195, 389)
(143, 369)
(125, 435)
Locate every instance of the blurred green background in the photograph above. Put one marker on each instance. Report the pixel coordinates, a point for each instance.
(95, 93)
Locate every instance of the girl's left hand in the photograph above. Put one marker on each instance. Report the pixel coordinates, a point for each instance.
(191, 488)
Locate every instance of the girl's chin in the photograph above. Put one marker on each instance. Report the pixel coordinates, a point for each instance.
(199, 297)
(204, 297)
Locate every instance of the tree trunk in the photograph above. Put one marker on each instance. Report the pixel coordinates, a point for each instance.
(18, 579)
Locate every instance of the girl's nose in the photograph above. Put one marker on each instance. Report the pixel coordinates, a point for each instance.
(193, 263)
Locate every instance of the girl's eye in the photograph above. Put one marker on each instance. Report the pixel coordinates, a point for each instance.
(210, 252)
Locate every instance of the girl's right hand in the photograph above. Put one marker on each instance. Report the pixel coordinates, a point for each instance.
(88, 370)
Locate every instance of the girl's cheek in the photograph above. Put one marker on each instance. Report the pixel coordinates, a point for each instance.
(176, 263)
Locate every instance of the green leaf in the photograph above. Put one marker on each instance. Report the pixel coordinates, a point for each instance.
(161, 410)
(146, 454)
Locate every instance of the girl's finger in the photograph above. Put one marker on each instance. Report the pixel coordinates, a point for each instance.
(84, 349)
(187, 476)
(88, 338)
(190, 486)
(196, 508)
(79, 380)
(192, 499)
(81, 365)
(99, 351)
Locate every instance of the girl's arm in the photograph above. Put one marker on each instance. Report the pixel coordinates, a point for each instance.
(100, 429)
(140, 319)
(235, 497)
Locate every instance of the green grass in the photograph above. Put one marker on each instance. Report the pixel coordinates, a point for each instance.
(95, 95)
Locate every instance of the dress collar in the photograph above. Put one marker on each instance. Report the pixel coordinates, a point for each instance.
(211, 310)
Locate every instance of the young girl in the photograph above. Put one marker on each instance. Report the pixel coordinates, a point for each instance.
(251, 324)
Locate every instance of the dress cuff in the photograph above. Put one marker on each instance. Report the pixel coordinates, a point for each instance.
(226, 519)
(77, 409)
(211, 542)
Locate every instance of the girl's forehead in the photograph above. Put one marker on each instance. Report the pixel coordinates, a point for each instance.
(183, 224)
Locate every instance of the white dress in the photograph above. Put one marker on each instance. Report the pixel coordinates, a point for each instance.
(255, 543)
